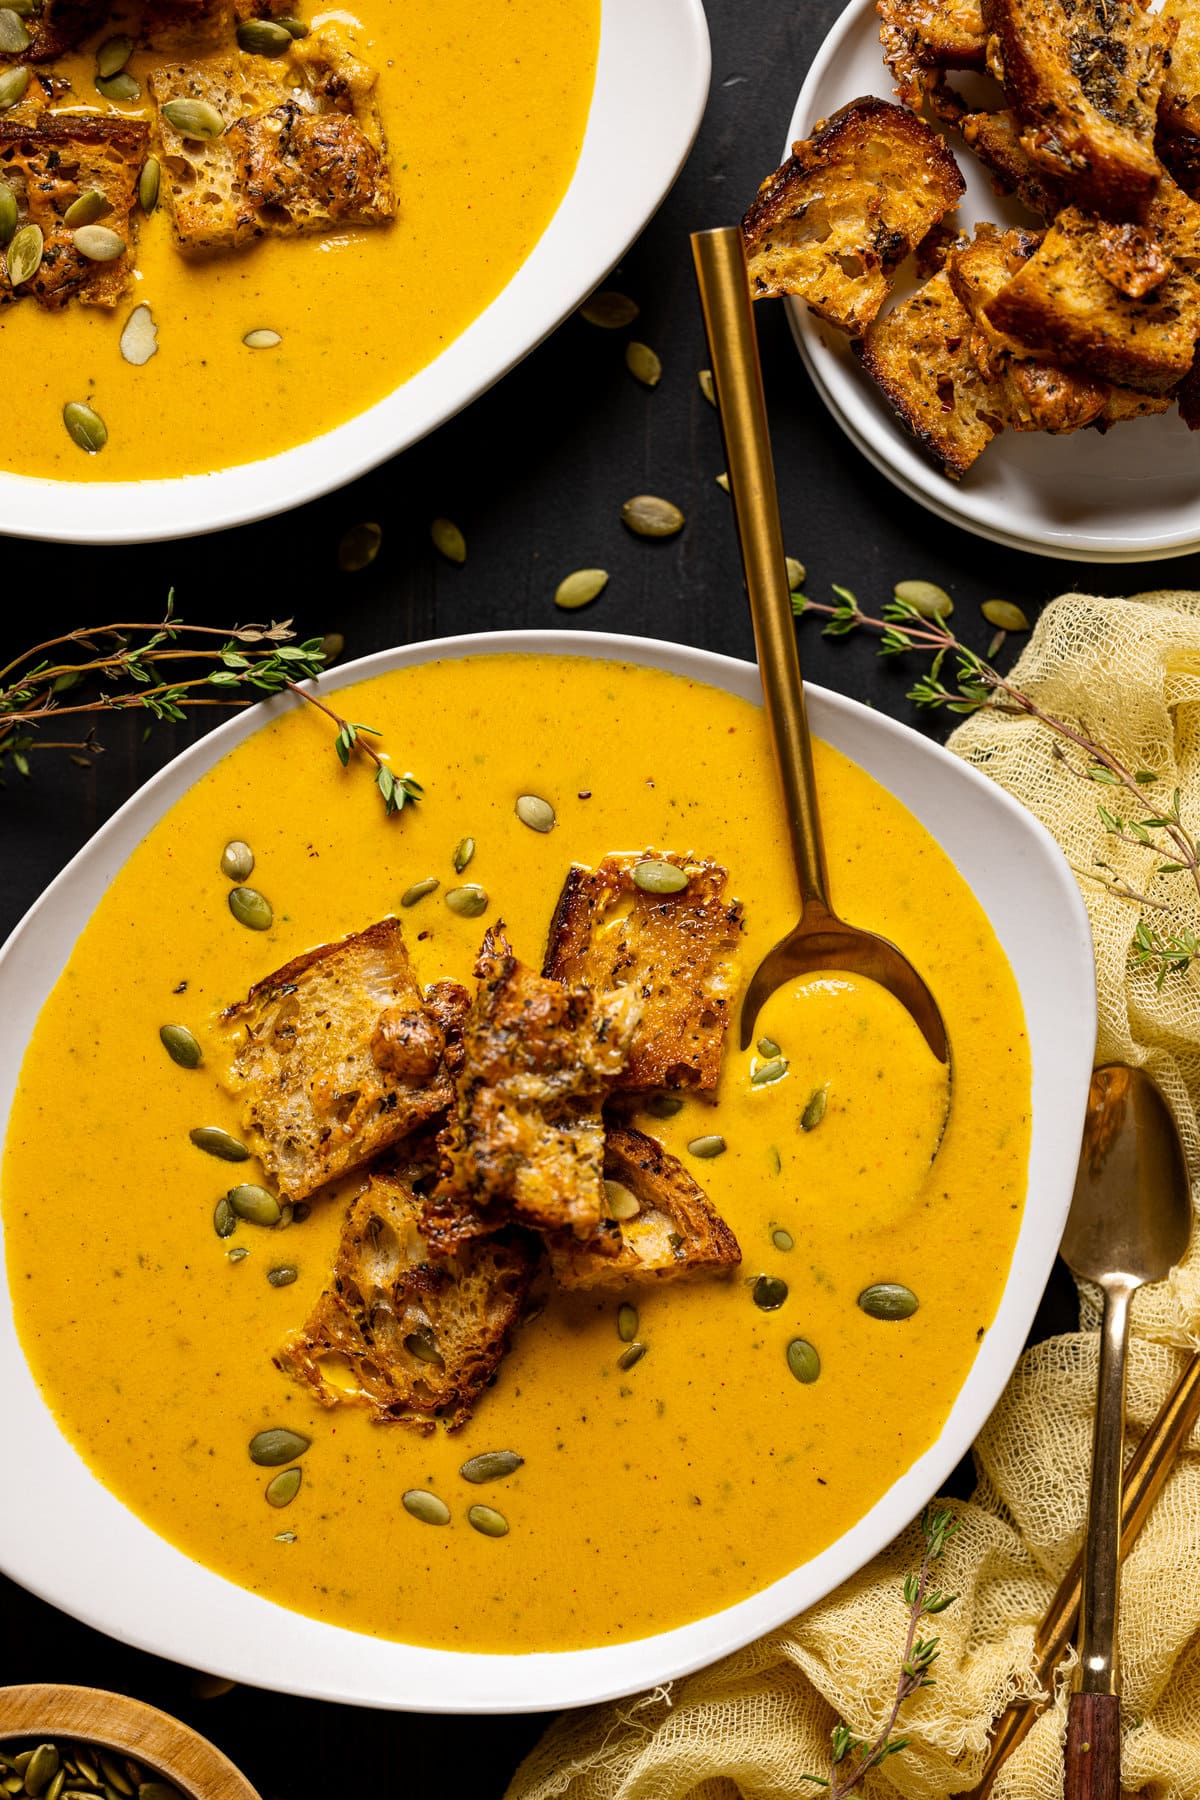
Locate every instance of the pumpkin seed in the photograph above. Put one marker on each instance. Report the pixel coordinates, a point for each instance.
(1005, 615)
(448, 540)
(888, 1300)
(286, 1214)
(632, 1355)
(218, 1143)
(796, 573)
(772, 1070)
(331, 647)
(238, 1254)
(41, 1768)
(722, 481)
(649, 516)
(84, 426)
(112, 55)
(491, 1465)
(769, 1293)
(814, 1110)
(803, 1361)
(609, 309)
(24, 9)
(148, 183)
(655, 877)
(627, 1323)
(13, 36)
(54, 1791)
(643, 364)
(468, 902)
(181, 1046)
(98, 243)
(620, 1202)
(237, 860)
(707, 386)
(24, 252)
(114, 1775)
(359, 546)
(580, 588)
(8, 213)
(782, 1239)
(487, 1520)
(263, 338)
(663, 1106)
(87, 208)
(193, 118)
(294, 27)
(926, 598)
(423, 1345)
(418, 890)
(210, 1687)
(254, 1204)
(713, 1145)
(87, 1766)
(263, 37)
(426, 1507)
(283, 1488)
(282, 1274)
(251, 909)
(122, 87)
(139, 339)
(535, 812)
(464, 850)
(158, 1790)
(13, 83)
(768, 1047)
(277, 1445)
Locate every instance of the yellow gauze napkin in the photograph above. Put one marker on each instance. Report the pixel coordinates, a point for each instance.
(1128, 671)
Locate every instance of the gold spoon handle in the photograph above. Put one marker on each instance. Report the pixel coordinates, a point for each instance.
(720, 260)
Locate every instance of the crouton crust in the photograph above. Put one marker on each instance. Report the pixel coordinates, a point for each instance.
(1178, 140)
(48, 162)
(995, 137)
(922, 35)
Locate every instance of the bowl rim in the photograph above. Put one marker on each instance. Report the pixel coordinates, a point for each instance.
(1039, 916)
(651, 87)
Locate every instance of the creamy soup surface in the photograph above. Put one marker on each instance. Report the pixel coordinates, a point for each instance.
(648, 1496)
(484, 108)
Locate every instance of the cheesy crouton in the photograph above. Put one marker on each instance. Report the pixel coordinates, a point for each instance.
(336, 1059)
(201, 177)
(675, 952)
(995, 137)
(832, 225)
(55, 28)
(413, 1341)
(1178, 139)
(48, 163)
(922, 35)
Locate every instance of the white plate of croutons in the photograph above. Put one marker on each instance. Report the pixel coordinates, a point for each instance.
(995, 291)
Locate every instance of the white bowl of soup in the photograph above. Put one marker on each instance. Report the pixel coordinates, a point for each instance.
(527, 143)
(662, 1513)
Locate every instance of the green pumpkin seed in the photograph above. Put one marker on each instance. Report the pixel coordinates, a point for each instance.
(768, 1047)
(263, 37)
(24, 252)
(712, 1145)
(237, 860)
(24, 9)
(283, 1488)
(610, 310)
(122, 87)
(468, 902)
(663, 1106)
(84, 426)
(1004, 615)
(359, 547)
(294, 27)
(647, 515)
(425, 1506)
(282, 1275)
(464, 850)
(814, 1110)
(655, 877)
(112, 55)
(286, 1215)
(54, 1791)
(13, 83)
(926, 598)
(486, 1519)
(627, 1323)
(331, 647)
(782, 1240)
(13, 36)
(888, 1300)
(620, 1202)
(193, 118)
(210, 1687)
(708, 386)
(769, 1293)
(796, 573)
(218, 1143)
(254, 1204)
(98, 244)
(239, 1253)
(181, 1046)
(87, 1766)
(535, 812)
(87, 208)
(722, 481)
(634, 1354)
(263, 338)
(41, 1768)
(272, 1448)
(148, 184)
(643, 364)
(803, 1361)
(224, 1218)
(419, 889)
(580, 588)
(491, 1465)
(423, 1345)
(8, 214)
(448, 540)
(158, 1790)
(251, 909)
(772, 1070)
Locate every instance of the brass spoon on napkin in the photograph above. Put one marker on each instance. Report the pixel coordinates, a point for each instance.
(820, 940)
(1130, 1221)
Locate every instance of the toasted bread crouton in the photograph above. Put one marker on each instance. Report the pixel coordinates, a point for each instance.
(184, 28)
(1124, 403)
(1178, 140)
(414, 1341)
(55, 28)
(525, 1140)
(1083, 77)
(449, 1006)
(995, 137)
(676, 952)
(1131, 259)
(675, 1232)
(921, 357)
(834, 222)
(920, 35)
(201, 177)
(336, 1059)
(1188, 395)
(48, 163)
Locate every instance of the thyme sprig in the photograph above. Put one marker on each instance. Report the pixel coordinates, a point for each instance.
(167, 669)
(1132, 818)
(851, 1758)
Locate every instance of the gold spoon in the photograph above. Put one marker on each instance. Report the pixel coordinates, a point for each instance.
(1130, 1221)
(820, 940)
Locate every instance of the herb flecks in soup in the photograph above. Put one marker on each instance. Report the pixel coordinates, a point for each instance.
(647, 1454)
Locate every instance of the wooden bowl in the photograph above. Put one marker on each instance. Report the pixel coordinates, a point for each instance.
(114, 1722)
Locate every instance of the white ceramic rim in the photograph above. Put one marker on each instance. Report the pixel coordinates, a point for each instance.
(652, 79)
(865, 418)
(67, 1539)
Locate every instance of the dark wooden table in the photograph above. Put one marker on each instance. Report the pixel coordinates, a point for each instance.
(535, 474)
